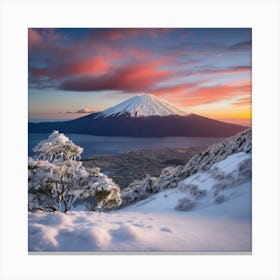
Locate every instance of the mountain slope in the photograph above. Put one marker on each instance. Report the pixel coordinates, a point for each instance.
(154, 126)
(142, 106)
(143, 116)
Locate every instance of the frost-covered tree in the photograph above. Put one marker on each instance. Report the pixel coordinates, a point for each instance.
(56, 179)
(100, 192)
(57, 147)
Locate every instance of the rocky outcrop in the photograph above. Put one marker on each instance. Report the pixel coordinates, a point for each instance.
(141, 189)
(171, 176)
(241, 142)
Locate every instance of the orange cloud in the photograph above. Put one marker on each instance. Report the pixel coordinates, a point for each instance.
(202, 95)
(192, 94)
(243, 102)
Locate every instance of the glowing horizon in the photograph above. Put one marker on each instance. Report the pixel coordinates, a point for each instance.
(205, 71)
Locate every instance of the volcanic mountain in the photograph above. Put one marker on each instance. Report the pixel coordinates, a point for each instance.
(143, 106)
(141, 116)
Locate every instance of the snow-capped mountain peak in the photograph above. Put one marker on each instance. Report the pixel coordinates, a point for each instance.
(142, 106)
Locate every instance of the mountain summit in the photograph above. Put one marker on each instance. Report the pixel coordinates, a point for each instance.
(144, 105)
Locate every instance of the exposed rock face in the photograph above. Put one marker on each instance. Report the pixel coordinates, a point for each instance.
(141, 189)
(170, 176)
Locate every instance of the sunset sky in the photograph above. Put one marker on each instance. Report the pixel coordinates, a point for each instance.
(73, 72)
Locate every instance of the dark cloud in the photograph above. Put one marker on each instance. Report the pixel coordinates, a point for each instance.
(81, 111)
(90, 65)
(247, 45)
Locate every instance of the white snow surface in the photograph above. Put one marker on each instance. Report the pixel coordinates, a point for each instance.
(142, 106)
(153, 224)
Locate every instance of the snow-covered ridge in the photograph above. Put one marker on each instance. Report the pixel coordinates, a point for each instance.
(142, 106)
(171, 176)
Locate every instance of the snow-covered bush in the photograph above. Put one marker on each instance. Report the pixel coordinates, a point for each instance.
(100, 193)
(56, 179)
(141, 189)
(167, 178)
(138, 190)
(225, 180)
(192, 190)
(220, 198)
(245, 170)
(224, 184)
(185, 204)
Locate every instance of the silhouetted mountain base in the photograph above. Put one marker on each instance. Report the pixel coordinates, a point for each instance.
(153, 126)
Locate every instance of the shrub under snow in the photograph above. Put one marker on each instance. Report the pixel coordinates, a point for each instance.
(185, 204)
(141, 189)
(56, 179)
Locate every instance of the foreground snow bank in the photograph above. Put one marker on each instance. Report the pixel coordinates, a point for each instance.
(155, 225)
(140, 231)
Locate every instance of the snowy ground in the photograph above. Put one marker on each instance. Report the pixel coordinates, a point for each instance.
(154, 225)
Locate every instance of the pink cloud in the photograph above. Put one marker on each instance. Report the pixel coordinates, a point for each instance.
(117, 34)
(192, 94)
(173, 90)
(133, 78)
(34, 38)
(204, 95)
(222, 71)
(93, 65)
